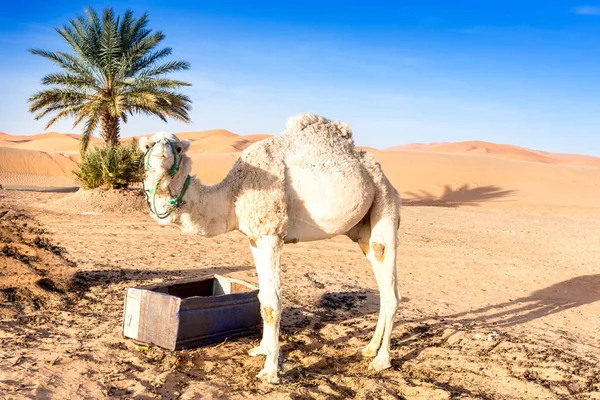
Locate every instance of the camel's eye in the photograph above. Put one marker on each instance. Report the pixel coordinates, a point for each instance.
(179, 149)
(147, 146)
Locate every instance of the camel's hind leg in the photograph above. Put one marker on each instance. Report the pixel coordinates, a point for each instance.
(378, 238)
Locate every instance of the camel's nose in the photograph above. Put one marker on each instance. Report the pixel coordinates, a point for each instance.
(160, 149)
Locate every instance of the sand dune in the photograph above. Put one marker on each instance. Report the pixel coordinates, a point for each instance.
(59, 145)
(502, 151)
(219, 141)
(577, 159)
(46, 142)
(216, 141)
(20, 167)
(39, 136)
(35, 162)
(455, 174)
(457, 179)
(204, 134)
(220, 144)
(211, 168)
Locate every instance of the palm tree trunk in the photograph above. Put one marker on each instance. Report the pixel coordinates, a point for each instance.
(110, 129)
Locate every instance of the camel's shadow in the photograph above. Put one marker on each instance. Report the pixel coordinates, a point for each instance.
(561, 296)
(565, 295)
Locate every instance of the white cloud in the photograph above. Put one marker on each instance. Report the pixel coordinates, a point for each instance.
(587, 10)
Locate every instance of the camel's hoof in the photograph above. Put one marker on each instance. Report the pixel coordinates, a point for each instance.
(369, 351)
(257, 351)
(379, 364)
(268, 376)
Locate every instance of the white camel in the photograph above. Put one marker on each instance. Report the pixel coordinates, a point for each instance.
(307, 184)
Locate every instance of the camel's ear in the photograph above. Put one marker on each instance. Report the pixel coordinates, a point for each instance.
(184, 145)
(144, 144)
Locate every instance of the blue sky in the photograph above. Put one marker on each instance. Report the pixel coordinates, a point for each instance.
(519, 72)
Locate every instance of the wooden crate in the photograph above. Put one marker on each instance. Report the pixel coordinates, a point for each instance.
(192, 312)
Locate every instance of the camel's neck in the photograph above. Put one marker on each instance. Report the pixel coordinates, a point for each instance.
(206, 210)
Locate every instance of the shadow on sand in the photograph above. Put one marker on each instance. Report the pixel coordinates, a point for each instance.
(559, 297)
(85, 279)
(464, 195)
(41, 189)
(428, 333)
(342, 306)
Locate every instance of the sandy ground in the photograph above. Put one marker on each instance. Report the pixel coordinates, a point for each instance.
(499, 303)
(498, 267)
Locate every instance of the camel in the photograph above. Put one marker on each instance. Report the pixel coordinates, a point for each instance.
(309, 183)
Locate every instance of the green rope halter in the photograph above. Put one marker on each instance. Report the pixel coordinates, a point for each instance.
(172, 204)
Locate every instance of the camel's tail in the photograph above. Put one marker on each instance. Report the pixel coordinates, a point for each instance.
(319, 123)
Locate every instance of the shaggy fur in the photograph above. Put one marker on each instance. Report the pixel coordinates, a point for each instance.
(307, 184)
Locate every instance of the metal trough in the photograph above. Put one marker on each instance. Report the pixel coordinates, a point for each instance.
(192, 312)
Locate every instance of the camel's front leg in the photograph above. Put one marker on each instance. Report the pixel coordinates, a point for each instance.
(267, 256)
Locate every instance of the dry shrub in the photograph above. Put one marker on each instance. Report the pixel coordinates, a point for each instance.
(111, 167)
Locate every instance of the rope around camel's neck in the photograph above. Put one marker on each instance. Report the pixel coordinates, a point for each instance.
(172, 202)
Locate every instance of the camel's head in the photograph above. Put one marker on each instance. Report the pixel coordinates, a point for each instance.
(163, 152)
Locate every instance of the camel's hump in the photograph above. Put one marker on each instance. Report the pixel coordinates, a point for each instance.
(318, 124)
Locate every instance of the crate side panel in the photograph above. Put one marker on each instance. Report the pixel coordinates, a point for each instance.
(158, 319)
(202, 325)
(131, 314)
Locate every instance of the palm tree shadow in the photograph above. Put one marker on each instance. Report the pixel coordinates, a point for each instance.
(559, 297)
(464, 195)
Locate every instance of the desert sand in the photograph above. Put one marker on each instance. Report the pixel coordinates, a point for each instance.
(502, 151)
(498, 268)
(465, 172)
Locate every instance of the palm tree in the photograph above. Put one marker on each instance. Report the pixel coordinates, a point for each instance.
(113, 73)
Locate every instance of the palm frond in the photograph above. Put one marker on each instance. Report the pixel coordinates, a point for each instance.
(90, 126)
(70, 80)
(55, 97)
(141, 63)
(65, 112)
(88, 110)
(110, 43)
(171, 66)
(138, 29)
(157, 83)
